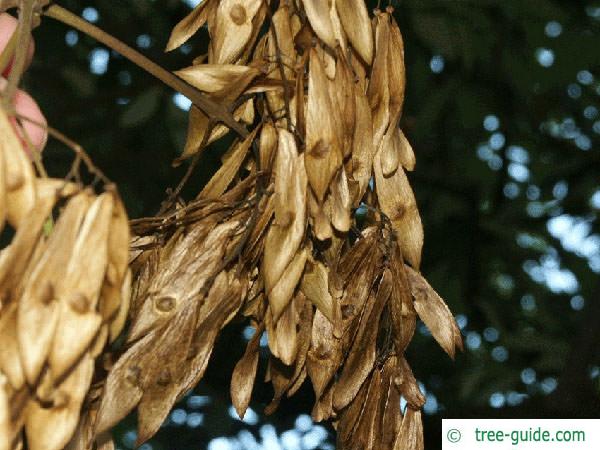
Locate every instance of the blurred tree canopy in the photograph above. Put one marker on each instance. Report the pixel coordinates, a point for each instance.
(502, 109)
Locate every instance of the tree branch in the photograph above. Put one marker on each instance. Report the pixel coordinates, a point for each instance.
(207, 105)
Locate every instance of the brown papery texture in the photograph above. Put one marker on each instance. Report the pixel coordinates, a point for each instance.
(309, 231)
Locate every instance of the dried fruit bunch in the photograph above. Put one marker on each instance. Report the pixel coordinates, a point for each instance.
(64, 293)
(275, 236)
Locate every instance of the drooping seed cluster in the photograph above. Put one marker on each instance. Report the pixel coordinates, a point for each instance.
(309, 231)
(275, 236)
(64, 293)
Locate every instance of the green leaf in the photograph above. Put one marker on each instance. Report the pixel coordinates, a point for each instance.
(141, 109)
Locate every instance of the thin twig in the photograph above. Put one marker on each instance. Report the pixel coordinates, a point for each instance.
(207, 105)
(8, 52)
(23, 40)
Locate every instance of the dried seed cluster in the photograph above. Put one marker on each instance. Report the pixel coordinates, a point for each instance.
(274, 236)
(64, 293)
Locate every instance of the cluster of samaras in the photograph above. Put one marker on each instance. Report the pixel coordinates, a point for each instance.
(274, 237)
(64, 293)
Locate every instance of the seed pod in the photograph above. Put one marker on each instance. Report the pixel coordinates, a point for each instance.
(323, 156)
(38, 310)
(317, 12)
(6, 427)
(10, 362)
(434, 312)
(398, 202)
(52, 428)
(232, 161)
(233, 29)
(190, 24)
(3, 205)
(286, 233)
(357, 26)
(79, 291)
(410, 436)
(315, 287)
(244, 374)
(18, 175)
(379, 84)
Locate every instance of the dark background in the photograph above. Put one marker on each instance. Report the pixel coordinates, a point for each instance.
(502, 109)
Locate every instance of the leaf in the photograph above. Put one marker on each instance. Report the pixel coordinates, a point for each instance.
(141, 109)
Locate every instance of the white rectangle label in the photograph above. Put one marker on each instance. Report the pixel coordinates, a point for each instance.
(521, 434)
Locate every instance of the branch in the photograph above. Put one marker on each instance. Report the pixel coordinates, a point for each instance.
(208, 106)
(23, 39)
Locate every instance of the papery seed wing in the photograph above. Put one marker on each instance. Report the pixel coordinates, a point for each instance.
(361, 357)
(366, 429)
(224, 82)
(233, 29)
(357, 26)
(52, 428)
(315, 286)
(118, 258)
(396, 73)
(118, 322)
(434, 312)
(317, 12)
(244, 374)
(281, 294)
(188, 26)
(160, 369)
(391, 415)
(324, 356)
(232, 161)
(323, 155)
(405, 151)
(379, 91)
(410, 436)
(267, 146)
(363, 149)
(18, 176)
(283, 240)
(6, 426)
(397, 201)
(10, 362)
(407, 385)
(340, 202)
(123, 388)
